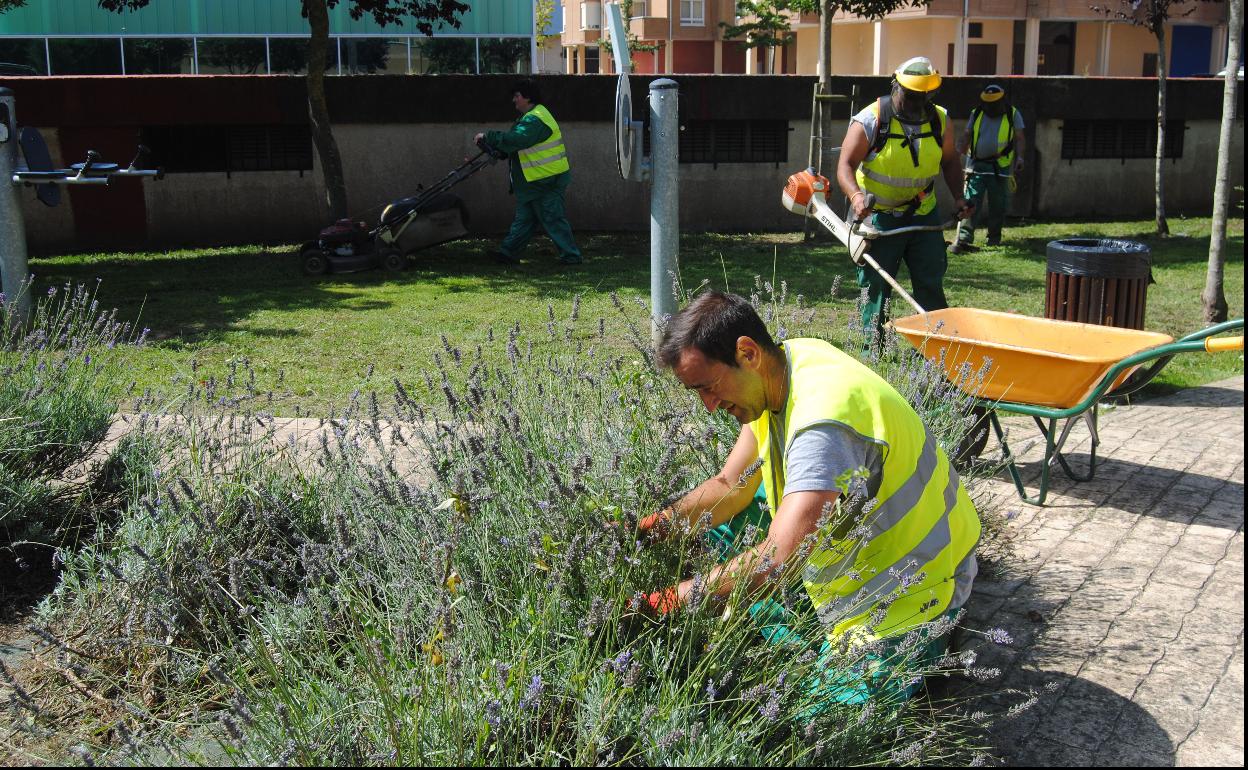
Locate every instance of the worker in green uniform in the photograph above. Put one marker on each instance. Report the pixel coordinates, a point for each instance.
(993, 144)
(895, 149)
(540, 175)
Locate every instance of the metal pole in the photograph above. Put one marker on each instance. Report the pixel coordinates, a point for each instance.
(664, 202)
(14, 269)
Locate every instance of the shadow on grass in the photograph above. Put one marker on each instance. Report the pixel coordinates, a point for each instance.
(194, 298)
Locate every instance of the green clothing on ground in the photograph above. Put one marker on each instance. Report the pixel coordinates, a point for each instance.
(540, 201)
(983, 184)
(876, 678)
(924, 256)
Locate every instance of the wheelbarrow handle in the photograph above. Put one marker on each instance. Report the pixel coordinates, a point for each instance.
(1195, 342)
(1220, 344)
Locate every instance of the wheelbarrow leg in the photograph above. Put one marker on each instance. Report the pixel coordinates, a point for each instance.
(1090, 418)
(1007, 458)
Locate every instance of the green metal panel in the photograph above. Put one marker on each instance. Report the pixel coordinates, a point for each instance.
(241, 17)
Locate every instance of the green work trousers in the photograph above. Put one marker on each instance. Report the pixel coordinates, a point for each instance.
(993, 190)
(879, 676)
(542, 205)
(924, 256)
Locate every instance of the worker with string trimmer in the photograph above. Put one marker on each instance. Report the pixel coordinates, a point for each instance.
(894, 151)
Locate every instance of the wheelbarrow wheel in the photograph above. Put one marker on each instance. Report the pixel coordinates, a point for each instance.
(976, 439)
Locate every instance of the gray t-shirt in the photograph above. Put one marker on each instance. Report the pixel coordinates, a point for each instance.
(990, 133)
(821, 456)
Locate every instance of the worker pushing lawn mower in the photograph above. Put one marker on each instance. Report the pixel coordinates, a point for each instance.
(540, 174)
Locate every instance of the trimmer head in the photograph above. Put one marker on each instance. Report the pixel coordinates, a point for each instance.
(801, 188)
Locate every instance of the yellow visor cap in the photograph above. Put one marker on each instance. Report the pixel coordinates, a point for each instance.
(992, 94)
(918, 74)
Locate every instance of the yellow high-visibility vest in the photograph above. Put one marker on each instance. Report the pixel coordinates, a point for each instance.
(892, 174)
(549, 158)
(923, 528)
(1004, 160)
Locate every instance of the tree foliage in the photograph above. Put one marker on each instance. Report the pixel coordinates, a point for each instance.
(867, 9)
(763, 23)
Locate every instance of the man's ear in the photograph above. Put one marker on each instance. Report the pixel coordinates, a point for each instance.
(749, 354)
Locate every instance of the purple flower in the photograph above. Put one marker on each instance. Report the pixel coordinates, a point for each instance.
(533, 694)
(999, 636)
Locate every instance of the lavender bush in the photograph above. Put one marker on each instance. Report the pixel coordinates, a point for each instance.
(60, 380)
(452, 582)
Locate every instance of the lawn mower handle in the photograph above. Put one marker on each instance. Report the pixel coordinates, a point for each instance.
(492, 151)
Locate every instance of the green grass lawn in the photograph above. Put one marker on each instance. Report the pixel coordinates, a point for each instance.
(213, 306)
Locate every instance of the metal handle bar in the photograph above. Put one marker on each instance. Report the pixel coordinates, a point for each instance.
(870, 233)
(1191, 343)
(64, 176)
(93, 157)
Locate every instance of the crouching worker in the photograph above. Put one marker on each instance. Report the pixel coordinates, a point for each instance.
(897, 557)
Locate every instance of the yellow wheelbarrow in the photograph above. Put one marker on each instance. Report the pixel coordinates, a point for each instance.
(1048, 370)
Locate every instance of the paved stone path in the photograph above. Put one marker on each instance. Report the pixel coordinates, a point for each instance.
(1126, 595)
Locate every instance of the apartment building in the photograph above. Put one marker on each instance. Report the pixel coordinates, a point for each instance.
(964, 37)
(686, 36)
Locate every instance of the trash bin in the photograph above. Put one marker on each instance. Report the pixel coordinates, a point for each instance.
(1100, 281)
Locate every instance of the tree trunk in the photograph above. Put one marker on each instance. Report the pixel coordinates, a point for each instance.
(825, 47)
(318, 110)
(1213, 298)
(1159, 169)
(825, 85)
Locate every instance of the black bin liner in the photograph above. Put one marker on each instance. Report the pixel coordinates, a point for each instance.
(1099, 258)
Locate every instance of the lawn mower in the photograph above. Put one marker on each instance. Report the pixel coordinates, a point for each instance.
(428, 218)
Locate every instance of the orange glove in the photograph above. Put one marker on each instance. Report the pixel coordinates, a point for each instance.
(655, 525)
(662, 602)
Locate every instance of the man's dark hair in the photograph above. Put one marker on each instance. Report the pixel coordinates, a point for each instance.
(711, 325)
(529, 89)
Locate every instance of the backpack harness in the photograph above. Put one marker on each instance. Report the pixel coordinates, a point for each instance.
(886, 112)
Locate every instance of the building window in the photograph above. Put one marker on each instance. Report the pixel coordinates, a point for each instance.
(202, 149)
(734, 141)
(444, 56)
(159, 56)
(641, 9)
(592, 60)
(504, 55)
(233, 56)
(975, 29)
(85, 56)
(28, 55)
(693, 12)
(373, 56)
(1119, 139)
(289, 55)
(591, 15)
